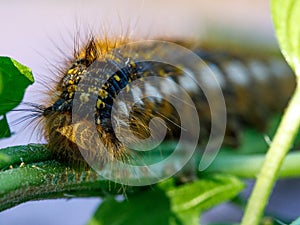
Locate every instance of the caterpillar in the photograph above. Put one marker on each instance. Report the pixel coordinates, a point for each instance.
(85, 120)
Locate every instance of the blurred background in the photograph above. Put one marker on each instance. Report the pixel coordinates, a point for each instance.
(37, 32)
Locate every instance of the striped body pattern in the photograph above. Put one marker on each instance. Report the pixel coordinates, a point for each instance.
(253, 87)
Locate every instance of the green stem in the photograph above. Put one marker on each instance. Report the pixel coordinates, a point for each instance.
(280, 145)
(30, 174)
(248, 166)
(50, 179)
(40, 178)
(24, 153)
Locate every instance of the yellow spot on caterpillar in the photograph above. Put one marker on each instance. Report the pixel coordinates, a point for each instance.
(67, 131)
(103, 93)
(84, 97)
(127, 88)
(98, 121)
(100, 104)
(132, 64)
(117, 78)
(72, 88)
(72, 71)
(105, 86)
(161, 73)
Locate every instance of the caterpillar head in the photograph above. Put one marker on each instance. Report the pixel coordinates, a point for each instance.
(66, 136)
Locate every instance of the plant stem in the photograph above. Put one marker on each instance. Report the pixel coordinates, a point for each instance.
(24, 153)
(51, 179)
(248, 166)
(280, 145)
(41, 178)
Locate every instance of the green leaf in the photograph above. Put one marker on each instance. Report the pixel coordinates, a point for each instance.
(14, 79)
(168, 204)
(147, 208)
(296, 222)
(205, 193)
(286, 18)
(4, 128)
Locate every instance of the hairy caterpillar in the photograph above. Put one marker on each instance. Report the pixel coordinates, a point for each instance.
(253, 87)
